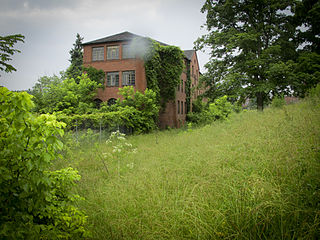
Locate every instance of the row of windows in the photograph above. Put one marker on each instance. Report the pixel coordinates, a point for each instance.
(182, 86)
(112, 52)
(128, 79)
(180, 107)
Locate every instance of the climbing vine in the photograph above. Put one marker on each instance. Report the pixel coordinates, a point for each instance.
(188, 87)
(164, 65)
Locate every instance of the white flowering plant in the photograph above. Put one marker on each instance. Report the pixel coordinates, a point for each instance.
(120, 149)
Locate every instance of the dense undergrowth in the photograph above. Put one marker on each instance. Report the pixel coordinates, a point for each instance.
(255, 176)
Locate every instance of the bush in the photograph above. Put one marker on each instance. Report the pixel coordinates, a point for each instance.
(278, 102)
(35, 202)
(220, 109)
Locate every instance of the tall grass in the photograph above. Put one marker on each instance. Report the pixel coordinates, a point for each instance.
(256, 176)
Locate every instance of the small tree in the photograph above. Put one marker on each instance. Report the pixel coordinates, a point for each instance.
(76, 59)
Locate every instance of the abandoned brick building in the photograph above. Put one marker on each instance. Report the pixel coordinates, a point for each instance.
(114, 56)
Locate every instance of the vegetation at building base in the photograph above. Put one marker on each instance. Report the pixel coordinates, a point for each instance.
(163, 66)
(255, 176)
(260, 49)
(36, 203)
(138, 111)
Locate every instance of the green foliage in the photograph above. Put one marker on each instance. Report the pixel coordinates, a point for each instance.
(256, 176)
(307, 15)
(278, 102)
(76, 60)
(164, 65)
(306, 72)
(220, 109)
(249, 40)
(136, 111)
(95, 75)
(6, 50)
(35, 203)
(67, 96)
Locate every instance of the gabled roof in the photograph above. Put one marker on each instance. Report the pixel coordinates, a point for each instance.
(188, 54)
(127, 36)
(120, 37)
(124, 36)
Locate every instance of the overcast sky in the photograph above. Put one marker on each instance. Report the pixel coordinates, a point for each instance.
(50, 28)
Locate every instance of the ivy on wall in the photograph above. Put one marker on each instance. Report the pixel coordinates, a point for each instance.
(163, 66)
(188, 87)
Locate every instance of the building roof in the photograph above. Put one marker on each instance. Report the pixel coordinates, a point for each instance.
(124, 36)
(127, 36)
(188, 54)
(120, 37)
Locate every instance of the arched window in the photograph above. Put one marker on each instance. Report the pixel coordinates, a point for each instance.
(112, 101)
(97, 102)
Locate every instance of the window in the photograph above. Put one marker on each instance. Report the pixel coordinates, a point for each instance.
(178, 107)
(113, 79)
(127, 51)
(112, 101)
(113, 52)
(182, 85)
(181, 107)
(128, 78)
(97, 53)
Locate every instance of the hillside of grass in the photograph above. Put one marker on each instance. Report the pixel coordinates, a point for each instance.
(255, 176)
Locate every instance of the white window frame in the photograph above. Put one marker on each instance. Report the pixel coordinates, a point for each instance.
(112, 52)
(97, 54)
(112, 79)
(128, 78)
(127, 52)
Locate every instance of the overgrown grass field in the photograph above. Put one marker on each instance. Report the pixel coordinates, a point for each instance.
(255, 176)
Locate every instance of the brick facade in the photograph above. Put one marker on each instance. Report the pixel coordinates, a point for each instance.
(175, 112)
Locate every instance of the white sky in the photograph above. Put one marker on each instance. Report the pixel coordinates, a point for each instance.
(50, 28)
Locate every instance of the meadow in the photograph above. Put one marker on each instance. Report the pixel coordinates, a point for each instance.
(254, 176)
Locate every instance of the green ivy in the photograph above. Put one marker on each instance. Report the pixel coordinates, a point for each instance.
(163, 66)
(188, 87)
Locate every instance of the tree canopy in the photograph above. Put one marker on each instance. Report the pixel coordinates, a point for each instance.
(250, 42)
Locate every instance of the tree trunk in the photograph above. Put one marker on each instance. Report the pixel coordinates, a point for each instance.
(260, 98)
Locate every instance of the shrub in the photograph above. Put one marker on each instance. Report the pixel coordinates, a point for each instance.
(220, 109)
(35, 202)
(278, 102)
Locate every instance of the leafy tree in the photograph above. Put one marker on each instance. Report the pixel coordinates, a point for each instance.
(307, 65)
(95, 75)
(36, 203)
(76, 59)
(307, 17)
(65, 95)
(248, 40)
(6, 50)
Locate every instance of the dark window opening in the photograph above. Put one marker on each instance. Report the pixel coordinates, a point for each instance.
(112, 101)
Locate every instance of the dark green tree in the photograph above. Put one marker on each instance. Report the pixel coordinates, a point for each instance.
(307, 17)
(76, 59)
(7, 50)
(249, 40)
(307, 65)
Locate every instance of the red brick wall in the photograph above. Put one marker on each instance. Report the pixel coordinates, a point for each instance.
(170, 117)
(117, 65)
